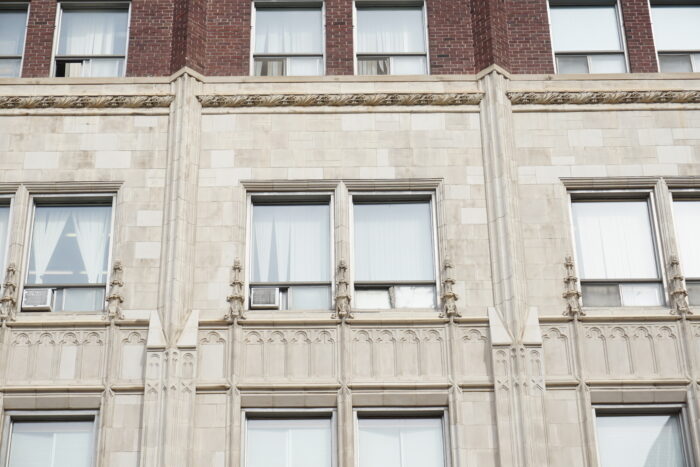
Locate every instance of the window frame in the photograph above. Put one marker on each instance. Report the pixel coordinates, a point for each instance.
(694, 55)
(289, 414)
(6, 200)
(68, 200)
(280, 5)
(403, 412)
(11, 416)
(89, 5)
(680, 195)
(26, 6)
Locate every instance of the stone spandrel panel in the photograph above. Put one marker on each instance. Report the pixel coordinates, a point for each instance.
(211, 436)
(558, 352)
(55, 357)
(212, 352)
(132, 354)
(474, 357)
(564, 425)
(631, 351)
(289, 354)
(417, 354)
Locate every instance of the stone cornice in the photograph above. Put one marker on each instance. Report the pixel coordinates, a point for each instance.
(604, 97)
(340, 100)
(85, 102)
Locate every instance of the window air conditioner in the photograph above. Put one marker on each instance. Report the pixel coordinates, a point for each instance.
(37, 299)
(265, 297)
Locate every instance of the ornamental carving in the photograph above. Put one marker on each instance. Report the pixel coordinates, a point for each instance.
(449, 297)
(84, 102)
(9, 300)
(342, 296)
(115, 298)
(604, 97)
(340, 100)
(237, 298)
(571, 294)
(679, 294)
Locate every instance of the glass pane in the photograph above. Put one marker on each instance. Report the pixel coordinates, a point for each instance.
(608, 63)
(693, 288)
(614, 240)
(641, 294)
(696, 62)
(676, 27)
(305, 66)
(401, 442)
(12, 26)
(601, 295)
(4, 230)
(640, 441)
(288, 31)
(55, 444)
(269, 66)
(288, 443)
(390, 30)
(408, 66)
(309, 298)
(93, 32)
(372, 299)
(10, 67)
(373, 66)
(686, 216)
(80, 299)
(105, 67)
(70, 245)
(675, 63)
(570, 64)
(585, 29)
(393, 242)
(291, 243)
(409, 296)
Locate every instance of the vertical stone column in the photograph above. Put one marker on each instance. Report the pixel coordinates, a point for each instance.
(151, 420)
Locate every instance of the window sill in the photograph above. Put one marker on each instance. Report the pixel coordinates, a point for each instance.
(629, 313)
(59, 318)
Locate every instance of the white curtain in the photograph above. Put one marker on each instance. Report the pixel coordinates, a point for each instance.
(49, 222)
(92, 226)
(304, 66)
(390, 30)
(614, 240)
(686, 215)
(291, 243)
(288, 31)
(51, 444)
(676, 27)
(393, 242)
(401, 442)
(93, 32)
(288, 443)
(12, 26)
(4, 227)
(408, 66)
(10, 67)
(104, 67)
(585, 29)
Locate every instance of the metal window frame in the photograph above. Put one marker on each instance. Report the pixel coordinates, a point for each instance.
(694, 64)
(26, 6)
(682, 195)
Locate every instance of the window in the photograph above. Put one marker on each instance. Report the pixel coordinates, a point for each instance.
(69, 254)
(92, 41)
(400, 441)
(676, 37)
(13, 24)
(288, 41)
(644, 439)
(615, 251)
(291, 254)
(289, 442)
(391, 41)
(394, 253)
(687, 220)
(587, 39)
(4, 233)
(56, 441)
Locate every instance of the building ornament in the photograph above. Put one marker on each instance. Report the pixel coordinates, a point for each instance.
(115, 298)
(449, 297)
(604, 97)
(679, 294)
(340, 100)
(342, 296)
(85, 102)
(237, 298)
(9, 300)
(571, 294)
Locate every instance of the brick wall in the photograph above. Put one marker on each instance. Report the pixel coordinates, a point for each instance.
(639, 36)
(339, 38)
(529, 41)
(150, 38)
(450, 37)
(39, 40)
(228, 28)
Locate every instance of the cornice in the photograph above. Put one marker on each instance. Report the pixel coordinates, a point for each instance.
(604, 97)
(340, 100)
(85, 102)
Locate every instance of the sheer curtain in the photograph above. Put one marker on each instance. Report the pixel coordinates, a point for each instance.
(687, 219)
(4, 227)
(676, 27)
(401, 442)
(51, 444)
(288, 443)
(573, 27)
(12, 26)
(288, 31)
(92, 229)
(49, 222)
(390, 30)
(93, 32)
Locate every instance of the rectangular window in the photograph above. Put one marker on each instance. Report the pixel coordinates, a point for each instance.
(4, 233)
(13, 26)
(290, 255)
(687, 220)
(68, 255)
(587, 39)
(394, 254)
(401, 442)
(616, 253)
(92, 41)
(676, 37)
(640, 440)
(289, 442)
(288, 41)
(391, 41)
(58, 442)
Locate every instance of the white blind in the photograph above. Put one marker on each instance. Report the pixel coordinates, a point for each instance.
(676, 27)
(12, 26)
(4, 228)
(687, 220)
(401, 442)
(585, 29)
(288, 443)
(51, 444)
(93, 32)
(390, 30)
(288, 31)
(614, 240)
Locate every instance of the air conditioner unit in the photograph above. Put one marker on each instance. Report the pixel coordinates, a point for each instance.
(37, 299)
(265, 297)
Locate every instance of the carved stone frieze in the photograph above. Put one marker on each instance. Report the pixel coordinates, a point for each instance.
(85, 102)
(474, 354)
(603, 97)
(558, 354)
(212, 353)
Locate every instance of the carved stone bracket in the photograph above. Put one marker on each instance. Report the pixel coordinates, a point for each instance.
(604, 97)
(8, 302)
(571, 294)
(679, 294)
(236, 300)
(449, 297)
(85, 102)
(115, 298)
(342, 294)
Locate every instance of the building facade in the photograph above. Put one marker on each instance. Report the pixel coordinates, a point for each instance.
(465, 239)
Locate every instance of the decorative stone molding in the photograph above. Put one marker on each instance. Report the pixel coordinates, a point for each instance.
(342, 295)
(115, 298)
(340, 100)
(449, 297)
(85, 102)
(603, 97)
(679, 294)
(237, 298)
(9, 300)
(571, 294)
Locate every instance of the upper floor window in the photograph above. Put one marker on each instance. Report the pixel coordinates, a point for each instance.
(13, 24)
(686, 214)
(587, 39)
(4, 230)
(677, 37)
(391, 41)
(92, 41)
(288, 41)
